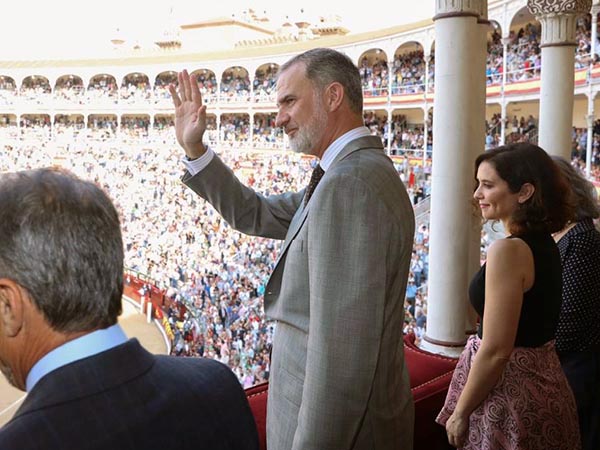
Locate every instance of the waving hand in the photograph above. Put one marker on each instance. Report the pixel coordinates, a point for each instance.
(190, 115)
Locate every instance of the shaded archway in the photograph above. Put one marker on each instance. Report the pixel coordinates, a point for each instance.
(408, 74)
(523, 56)
(264, 82)
(103, 89)
(135, 88)
(264, 133)
(235, 129)
(161, 87)
(135, 125)
(373, 68)
(235, 85)
(69, 89)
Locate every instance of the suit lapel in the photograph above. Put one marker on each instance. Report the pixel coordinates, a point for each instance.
(367, 142)
(302, 213)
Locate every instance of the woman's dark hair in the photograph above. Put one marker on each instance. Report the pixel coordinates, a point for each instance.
(551, 206)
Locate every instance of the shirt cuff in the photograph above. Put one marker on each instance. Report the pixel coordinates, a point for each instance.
(197, 165)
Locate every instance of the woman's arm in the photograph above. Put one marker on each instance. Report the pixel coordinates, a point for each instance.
(509, 273)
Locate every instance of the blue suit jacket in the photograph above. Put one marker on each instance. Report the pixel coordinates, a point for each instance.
(126, 398)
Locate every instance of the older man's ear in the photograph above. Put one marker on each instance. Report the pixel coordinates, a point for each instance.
(11, 307)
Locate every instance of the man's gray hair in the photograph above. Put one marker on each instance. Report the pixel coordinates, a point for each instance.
(325, 66)
(586, 199)
(60, 239)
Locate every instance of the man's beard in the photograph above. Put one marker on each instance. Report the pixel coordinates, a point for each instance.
(309, 135)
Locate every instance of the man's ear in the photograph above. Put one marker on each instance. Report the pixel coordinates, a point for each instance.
(526, 192)
(11, 307)
(334, 96)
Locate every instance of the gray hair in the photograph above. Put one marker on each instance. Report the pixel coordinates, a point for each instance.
(60, 239)
(586, 199)
(325, 66)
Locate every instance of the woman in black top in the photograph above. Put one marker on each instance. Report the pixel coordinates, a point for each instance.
(578, 333)
(508, 390)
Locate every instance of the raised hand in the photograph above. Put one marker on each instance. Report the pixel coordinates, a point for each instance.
(190, 115)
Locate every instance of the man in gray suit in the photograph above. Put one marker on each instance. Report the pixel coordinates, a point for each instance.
(338, 377)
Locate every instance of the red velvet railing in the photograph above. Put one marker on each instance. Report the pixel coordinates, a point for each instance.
(430, 377)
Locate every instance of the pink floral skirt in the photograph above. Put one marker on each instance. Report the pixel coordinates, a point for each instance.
(530, 408)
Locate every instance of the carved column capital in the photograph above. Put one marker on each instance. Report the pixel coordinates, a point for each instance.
(543, 7)
(458, 8)
(558, 19)
(558, 29)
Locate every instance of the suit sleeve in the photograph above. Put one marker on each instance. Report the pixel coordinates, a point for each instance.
(349, 230)
(242, 208)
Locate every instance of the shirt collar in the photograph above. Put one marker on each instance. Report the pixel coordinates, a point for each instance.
(338, 145)
(83, 347)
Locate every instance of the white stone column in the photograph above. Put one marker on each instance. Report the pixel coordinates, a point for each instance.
(505, 42)
(427, 58)
(558, 19)
(390, 78)
(251, 127)
(458, 68)
(478, 147)
(503, 120)
(425, 132)
(389, 127)
(590, 135)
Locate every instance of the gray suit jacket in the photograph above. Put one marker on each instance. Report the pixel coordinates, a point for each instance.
(338, 378)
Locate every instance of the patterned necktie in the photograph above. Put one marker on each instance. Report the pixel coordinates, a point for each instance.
(314, 180)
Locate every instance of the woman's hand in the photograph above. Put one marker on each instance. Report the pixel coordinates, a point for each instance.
(457, 429)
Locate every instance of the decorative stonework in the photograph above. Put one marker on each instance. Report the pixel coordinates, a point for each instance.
(558, 29)
(542, 7)
(458, 8)
(483, 10)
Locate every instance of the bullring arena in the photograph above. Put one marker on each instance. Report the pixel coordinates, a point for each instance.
(110, 119)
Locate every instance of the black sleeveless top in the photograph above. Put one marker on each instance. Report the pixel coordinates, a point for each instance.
(541, 303)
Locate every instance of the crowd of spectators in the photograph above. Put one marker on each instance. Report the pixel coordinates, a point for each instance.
(161, 87)
(374, 76)
(516, 130)
(579, 149)
(264, 83)
(408, 74)
(213, 277)
(235, 129)
(265, 134)
(135, 89)
(103, 90)
(69, 90)
(523, 61)
(235, 86)
(207, 82)
(406, 138)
